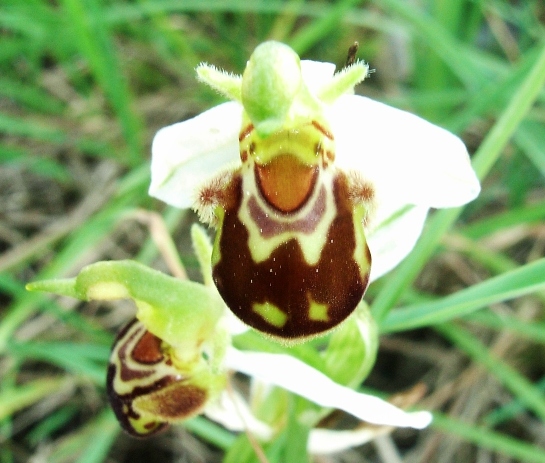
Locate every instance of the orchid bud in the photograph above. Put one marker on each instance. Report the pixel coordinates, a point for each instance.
(158, 373)
(149, 388)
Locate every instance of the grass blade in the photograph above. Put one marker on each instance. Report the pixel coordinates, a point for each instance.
(516, 283)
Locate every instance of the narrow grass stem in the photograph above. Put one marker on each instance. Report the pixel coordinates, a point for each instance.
(522, 388)
(491, 440)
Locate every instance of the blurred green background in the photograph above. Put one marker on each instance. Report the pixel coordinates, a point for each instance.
(84, 86)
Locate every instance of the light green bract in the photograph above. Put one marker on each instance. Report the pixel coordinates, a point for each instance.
(182, 313)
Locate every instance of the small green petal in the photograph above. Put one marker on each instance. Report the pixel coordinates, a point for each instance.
(344, 81)
(60, 286)
(221, 81)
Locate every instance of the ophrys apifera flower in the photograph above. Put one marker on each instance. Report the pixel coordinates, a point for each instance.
(314, 191)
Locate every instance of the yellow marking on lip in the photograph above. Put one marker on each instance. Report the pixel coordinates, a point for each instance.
(360, 251)
(318, 312)
(271, 314)
(311, 244)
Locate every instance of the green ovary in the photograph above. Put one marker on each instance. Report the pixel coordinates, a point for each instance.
(271, 314)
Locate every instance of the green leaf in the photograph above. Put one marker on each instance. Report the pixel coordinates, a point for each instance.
(89, 360)
(54, 422)
(531, 139)
(14, 400)
(297, 433)
(531, 330)
(241, 452)
(520, 386)
(88, 444)
(210, 432)
(491, 440)
(101, 438)
(524, 280)
(94, 42)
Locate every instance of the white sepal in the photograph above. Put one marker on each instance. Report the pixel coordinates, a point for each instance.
(326, 441)
(186, 154)
(231, 411)
(298, 377)
(394, 235)
(404, 156)
(316, 74)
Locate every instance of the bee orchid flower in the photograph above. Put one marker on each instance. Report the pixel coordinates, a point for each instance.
(314, 191)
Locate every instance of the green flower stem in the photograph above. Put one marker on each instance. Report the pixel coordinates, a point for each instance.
(487, 154)
(521, 387)
(203, 251)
